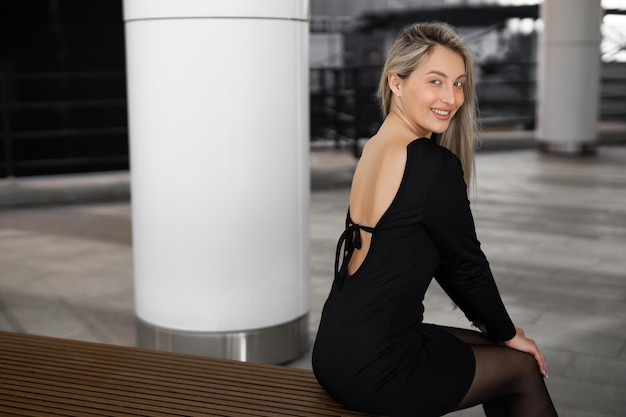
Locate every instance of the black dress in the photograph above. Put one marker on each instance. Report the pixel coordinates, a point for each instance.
(372, 352)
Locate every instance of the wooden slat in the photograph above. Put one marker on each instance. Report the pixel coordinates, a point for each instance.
(47, 376)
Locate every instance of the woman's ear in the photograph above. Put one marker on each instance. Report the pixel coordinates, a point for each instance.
(394, 83)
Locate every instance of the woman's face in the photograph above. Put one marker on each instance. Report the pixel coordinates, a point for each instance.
(431, 95)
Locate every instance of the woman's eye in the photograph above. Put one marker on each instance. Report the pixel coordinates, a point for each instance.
(436, 82)
(458, 84)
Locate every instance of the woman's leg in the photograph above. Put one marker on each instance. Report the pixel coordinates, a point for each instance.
(493, 408)
(507, 382)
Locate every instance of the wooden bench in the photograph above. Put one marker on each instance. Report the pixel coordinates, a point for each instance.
(42, 376)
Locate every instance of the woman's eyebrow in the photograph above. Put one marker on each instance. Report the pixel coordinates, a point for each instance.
(444, 75)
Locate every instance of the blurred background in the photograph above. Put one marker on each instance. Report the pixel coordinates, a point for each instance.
(63, 87)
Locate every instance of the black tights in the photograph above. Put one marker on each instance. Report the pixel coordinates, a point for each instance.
(507, 382)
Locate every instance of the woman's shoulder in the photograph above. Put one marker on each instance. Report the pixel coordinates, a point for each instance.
(427, 153)
(424, 152)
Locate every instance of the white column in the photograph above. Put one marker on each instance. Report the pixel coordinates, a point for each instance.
(219, 141)
(569, 76)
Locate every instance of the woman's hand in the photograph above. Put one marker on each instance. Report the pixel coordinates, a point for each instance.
(522, 343)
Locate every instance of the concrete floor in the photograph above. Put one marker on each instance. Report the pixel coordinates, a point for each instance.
(553, 228)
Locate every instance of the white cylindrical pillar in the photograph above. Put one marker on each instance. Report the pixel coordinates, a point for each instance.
(569, 76)
(219, 142)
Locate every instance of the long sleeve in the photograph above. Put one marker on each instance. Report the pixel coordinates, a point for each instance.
(464, 272)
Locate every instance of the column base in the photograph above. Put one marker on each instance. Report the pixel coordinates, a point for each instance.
(273, 345)
(569, 148)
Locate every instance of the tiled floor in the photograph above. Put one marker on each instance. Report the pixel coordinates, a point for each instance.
(553, 228)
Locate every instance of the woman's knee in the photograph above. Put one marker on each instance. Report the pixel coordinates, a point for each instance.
(529, 365)
(528, 375)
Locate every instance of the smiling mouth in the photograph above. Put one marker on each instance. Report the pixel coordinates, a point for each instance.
(441, 112)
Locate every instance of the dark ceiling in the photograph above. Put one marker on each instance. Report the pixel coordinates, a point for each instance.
(460, 16)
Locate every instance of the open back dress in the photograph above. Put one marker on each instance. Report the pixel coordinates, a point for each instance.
(373, 353)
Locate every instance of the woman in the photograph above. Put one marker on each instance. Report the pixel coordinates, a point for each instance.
(408, 221)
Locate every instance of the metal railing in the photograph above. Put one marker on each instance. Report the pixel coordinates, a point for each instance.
(343, 106)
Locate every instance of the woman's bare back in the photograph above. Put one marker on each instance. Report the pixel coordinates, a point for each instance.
(375, 184)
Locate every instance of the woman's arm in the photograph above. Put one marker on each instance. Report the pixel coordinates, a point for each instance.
(464, 272)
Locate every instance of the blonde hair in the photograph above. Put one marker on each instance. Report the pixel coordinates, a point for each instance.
(410, 49)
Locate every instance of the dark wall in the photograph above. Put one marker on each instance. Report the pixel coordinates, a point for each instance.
(57, 35)
(63, 92)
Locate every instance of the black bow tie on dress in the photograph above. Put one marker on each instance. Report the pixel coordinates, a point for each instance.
(351, 240)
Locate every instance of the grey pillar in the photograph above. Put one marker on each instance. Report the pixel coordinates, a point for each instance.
(569, 76)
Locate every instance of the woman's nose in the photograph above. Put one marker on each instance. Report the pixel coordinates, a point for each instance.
(447, 95)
